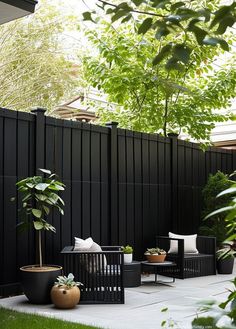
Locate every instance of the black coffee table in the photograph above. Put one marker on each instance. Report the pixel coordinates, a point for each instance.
(156, 266)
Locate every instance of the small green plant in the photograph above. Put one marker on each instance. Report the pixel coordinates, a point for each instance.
(39, 196)
(219, 312)
(155, 251)
(228, 250)
(127, 249)
(67, 281)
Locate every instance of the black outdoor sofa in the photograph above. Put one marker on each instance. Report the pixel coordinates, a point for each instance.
(100, 272)
(189, 265)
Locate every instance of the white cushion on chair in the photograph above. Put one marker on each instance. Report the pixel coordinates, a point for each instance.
(88, 245)
(190, 243)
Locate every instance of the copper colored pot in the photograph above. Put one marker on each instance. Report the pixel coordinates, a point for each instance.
(64, 297)
(156, 258)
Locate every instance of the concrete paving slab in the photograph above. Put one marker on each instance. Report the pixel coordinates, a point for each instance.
(143, 305)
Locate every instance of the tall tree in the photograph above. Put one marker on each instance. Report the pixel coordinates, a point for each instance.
(203, 21)
(152, 98)
(34, 68)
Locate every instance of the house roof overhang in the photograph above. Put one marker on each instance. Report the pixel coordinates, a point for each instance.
(13, 9)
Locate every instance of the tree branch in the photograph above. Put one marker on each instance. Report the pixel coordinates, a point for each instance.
(133, 10)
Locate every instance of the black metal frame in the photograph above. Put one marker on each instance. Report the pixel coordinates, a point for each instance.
(189, 265)
(100, 272)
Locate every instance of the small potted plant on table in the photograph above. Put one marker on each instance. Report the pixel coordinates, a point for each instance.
(66, 293)
(155, 255)
(39, 196)
(128, 253)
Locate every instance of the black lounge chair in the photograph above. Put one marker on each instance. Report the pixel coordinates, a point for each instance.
(100, 272)
(189, 265)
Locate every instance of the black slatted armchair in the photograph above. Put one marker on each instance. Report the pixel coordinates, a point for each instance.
(100, 272)
(189, 265)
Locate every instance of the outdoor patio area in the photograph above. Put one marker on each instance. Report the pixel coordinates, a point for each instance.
(143, 305)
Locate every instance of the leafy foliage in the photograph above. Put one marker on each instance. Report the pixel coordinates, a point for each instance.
(149, 98)
(39, 196)
(35, 69)
(215, 225)
(218, 316)
(67, 281)
(203, 22)
(155, 251)
(127, 249)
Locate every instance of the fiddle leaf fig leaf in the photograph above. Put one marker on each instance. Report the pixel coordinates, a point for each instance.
(38, 225)
(37, 213)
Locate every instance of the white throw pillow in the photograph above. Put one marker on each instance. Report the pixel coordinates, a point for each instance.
(88, 245)
(83, 245)
(190, 242)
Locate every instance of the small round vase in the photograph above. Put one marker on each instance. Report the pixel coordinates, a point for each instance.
(64, 297)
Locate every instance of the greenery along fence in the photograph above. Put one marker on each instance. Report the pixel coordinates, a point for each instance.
(122, 187)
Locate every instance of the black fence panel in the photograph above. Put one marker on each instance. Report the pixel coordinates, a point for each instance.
(122, 187)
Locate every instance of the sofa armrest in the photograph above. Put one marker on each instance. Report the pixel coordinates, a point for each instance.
(206, 245)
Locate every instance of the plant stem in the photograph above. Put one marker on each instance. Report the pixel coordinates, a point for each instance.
(40, 248)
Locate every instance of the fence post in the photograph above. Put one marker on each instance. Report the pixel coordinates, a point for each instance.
(39, 138)
(174, 182)
(114, 228)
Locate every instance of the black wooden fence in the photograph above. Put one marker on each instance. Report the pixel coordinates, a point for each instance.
(121, 186)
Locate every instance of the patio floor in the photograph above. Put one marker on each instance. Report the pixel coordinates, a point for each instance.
(142, 308)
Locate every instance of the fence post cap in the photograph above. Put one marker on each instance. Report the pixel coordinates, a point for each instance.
(112, 124)
(39, 110)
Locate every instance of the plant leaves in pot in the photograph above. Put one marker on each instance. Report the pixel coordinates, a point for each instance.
(225, 258)
(155, 255)
(39, 196)
(66, 293)
(128, 253)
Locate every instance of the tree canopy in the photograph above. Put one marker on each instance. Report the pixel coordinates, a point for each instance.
(203, 22)
(151, 98)
(35, 69)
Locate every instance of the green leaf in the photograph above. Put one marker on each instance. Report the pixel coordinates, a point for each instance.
(228, 191)
(38, 225)
(12, 199)
(46, 209)
(41, 197)
(220, 14)
(45, 171)
(30, 185)
(162, 32)
(87, 16)
(164, 309)
(119, 14)
(199, 34)
(37, 213)
(173, 64)
(126, 19)
(42, 186)
(177, 5)
(182, 53)
(215, 41)
(27, 197)
(224, 23)
(163, 53)
(145, 26)
(137, 2)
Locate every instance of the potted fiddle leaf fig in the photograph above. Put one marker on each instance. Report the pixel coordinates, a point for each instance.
(39, 197)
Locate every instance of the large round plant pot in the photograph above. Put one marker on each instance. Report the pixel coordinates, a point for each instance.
(64, 297)
(156, 258)
(38, 281)
(225, 266)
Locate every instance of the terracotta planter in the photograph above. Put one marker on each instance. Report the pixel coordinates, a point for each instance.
(38, 281)
(155, 258)
(64, 297)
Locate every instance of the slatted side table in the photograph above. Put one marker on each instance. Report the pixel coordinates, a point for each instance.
(132, 274)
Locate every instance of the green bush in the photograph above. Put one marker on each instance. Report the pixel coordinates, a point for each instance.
(215, 225)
